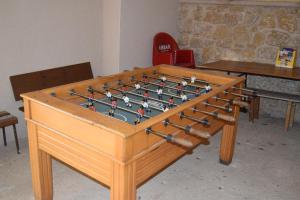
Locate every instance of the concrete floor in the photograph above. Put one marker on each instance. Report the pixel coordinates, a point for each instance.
(266, 166)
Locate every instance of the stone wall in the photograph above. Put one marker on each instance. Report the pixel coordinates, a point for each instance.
(243, 33)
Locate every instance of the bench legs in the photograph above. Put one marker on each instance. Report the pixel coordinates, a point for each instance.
(289, 116)
(16, 139)
(4, 136)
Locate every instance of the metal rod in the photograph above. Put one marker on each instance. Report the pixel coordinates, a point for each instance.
(133, 101)
(167, 94)
(187, 129)
(187, 91)
(178, 82)
(72, 92)
(226, 108)
(235, 94)
(171, 138)
(216, 115)
(233, 101)
(204, 122)
(139, 95)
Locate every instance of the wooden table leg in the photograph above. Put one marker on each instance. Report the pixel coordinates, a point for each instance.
(288, 115)
(228, 140)
(41, 167)
(123, 185)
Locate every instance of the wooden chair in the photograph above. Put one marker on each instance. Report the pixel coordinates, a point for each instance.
(6, 120)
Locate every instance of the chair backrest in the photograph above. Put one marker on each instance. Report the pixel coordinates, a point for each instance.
(39, 80)
(163, 42)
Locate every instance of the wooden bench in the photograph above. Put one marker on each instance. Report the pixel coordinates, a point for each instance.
(291, 99)
(39, 80)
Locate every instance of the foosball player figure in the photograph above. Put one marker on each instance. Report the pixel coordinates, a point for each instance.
(140, 114)
(171, 102)
(193, 79)
(126, 100)
(184, 83)
(207, 88)
(183, 97)
(124, 88)
(178, 89)
(146, 105)
(162, 83)
(91, 106)
(197, 91)
(137, 87)
(165, 108)
(113, 107)
(159, 92)
(91, 96)
(146, 94)
(163, 78)
(108, 94)
(145, 79)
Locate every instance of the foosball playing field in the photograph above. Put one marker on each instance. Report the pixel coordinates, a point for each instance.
(143, 95)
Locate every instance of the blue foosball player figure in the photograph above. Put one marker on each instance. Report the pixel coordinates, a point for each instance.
(207, 88)
(178, 89)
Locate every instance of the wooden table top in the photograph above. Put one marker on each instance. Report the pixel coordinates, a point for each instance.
(253, 68)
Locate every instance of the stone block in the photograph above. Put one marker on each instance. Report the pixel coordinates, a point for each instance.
(277, 38)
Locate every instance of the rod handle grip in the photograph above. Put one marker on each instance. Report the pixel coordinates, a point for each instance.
(182, 142)
(199, 133)
(226, 117)
(240, 103)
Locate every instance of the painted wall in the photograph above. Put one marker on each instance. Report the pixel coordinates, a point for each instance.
(110, 36)
(36, 35)
(140, 21)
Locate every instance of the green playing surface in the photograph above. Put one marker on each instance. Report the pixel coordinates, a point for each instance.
(137, 100)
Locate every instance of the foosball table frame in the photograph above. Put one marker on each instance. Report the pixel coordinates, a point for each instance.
(119, 155)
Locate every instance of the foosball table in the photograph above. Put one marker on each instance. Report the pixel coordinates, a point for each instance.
(123, 129)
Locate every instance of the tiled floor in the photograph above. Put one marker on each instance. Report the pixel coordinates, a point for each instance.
(266, 166)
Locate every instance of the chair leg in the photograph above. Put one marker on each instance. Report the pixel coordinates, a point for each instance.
(4, 136)
(16, 139)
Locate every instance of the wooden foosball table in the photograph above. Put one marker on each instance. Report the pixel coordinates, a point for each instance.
(123, 129)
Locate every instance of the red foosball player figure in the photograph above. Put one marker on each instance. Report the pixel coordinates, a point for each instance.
(145, 79)
(91, 96)
(197, 91)
(146, 94)
(162, 83)
(179, 89)
(124, 88)
(91, 106)
(171, 102)
(140, 114)
(113, 107)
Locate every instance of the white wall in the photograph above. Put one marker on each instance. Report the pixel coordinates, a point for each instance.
(111, 19)
(113, 34)
(140, 21)
(37, 34)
